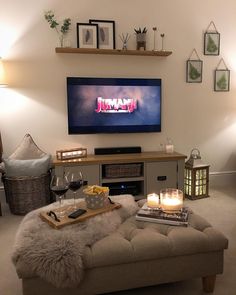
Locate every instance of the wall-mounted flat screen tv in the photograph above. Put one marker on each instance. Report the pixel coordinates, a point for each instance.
(113, 105)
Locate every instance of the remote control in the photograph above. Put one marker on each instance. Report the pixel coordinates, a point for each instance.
(77, 213)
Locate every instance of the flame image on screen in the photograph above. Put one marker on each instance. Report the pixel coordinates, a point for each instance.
(115, 105)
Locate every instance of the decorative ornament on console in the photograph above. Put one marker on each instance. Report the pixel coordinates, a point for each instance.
(196, 177)
(169, 146)
(69, 154)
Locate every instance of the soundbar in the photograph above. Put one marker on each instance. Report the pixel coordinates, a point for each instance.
(117, 150)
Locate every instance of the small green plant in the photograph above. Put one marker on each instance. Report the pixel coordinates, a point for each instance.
(140, 31)
(63, 30)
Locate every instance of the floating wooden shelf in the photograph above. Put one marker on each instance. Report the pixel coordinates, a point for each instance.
(112, 51)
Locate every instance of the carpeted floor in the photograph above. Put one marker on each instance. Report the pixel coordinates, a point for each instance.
(219, 210)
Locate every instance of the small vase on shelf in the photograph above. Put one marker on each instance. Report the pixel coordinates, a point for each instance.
(62, 31)
(141, 38)
(64, 41)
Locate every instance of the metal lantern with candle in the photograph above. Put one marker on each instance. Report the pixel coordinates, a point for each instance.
(171, 200)
(196, 177)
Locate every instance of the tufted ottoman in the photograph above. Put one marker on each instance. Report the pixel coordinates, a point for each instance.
(141, 254)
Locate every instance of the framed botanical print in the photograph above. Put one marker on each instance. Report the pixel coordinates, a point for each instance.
(194, 71)
(106, 33)
(211, 43)
(87, 35)
(222, 80)
(211, 40)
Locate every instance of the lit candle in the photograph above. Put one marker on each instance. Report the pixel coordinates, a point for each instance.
(169, 148)
(171, 200)
(153, 200)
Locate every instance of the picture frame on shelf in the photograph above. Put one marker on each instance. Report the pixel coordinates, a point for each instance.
(222, 80)
(211, 43)
(106, 33)
(194, 71)
(87, 35)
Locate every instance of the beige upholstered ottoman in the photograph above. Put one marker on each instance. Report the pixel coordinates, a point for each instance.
(141, 254)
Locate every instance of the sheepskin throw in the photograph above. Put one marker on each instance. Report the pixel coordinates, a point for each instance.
(56, 255)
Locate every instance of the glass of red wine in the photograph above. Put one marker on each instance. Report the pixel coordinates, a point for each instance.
(75, 180)
(59, 186)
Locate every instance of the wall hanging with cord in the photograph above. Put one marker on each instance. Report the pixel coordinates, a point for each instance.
(194, 67)
(211, 40)
(222, 77)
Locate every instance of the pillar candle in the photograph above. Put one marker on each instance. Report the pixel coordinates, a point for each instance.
(153, 200)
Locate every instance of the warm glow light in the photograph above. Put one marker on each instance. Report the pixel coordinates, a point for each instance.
(2, 74)
(8, 36)
(171, 200)
(153, 200)
(11, 102)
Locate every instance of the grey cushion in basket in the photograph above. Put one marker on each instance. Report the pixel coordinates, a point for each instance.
(28, 167)
(27, 149)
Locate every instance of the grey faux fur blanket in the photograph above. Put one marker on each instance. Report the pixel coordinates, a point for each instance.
(56, 255)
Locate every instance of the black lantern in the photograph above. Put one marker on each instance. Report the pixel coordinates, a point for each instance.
(196, 177)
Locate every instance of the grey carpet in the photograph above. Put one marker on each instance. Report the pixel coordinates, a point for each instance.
(219, 210)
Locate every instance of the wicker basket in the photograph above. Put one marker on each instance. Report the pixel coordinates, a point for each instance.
(123, 170)
(25, 194)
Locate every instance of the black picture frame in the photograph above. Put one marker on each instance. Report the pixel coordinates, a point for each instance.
(211, 43)
(106, 33)
(222, 80)
(87, 35)
(194, 71)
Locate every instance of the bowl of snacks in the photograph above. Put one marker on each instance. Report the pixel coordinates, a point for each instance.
(96, 196)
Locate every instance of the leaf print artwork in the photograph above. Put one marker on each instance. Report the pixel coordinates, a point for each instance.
(87, 36)
(222, 82)
(193, 72)
(102, 34)
(211, 46)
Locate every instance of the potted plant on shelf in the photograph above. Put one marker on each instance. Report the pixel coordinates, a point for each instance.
(63, 30)
(140, 38)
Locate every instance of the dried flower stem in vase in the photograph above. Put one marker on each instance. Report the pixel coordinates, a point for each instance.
(162, 41)
(154, 38)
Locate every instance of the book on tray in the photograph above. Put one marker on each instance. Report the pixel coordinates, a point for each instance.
(159, 216)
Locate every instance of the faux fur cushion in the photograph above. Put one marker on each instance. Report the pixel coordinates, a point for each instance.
(56, 255)
(27, 149)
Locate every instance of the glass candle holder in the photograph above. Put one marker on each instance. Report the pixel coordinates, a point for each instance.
(171, 200)
(153, 201)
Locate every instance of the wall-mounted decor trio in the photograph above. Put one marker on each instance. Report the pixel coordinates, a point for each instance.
(194, 65)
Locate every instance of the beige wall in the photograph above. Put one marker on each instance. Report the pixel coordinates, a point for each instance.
(193, 114)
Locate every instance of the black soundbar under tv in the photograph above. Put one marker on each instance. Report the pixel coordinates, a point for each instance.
(117, 150)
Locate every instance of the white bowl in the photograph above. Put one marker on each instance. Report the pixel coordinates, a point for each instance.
(97, 201)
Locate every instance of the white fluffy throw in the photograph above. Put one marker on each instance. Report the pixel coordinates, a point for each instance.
(56, 255)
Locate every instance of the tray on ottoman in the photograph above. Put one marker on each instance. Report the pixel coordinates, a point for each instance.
(66, 220)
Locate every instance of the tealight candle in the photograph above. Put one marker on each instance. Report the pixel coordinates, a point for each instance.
(171, 200)
(153, 200)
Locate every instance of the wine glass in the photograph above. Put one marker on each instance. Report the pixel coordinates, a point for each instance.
(75, 180)
(59, 186)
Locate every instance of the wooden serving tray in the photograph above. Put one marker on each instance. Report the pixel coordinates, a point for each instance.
(66, 220)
